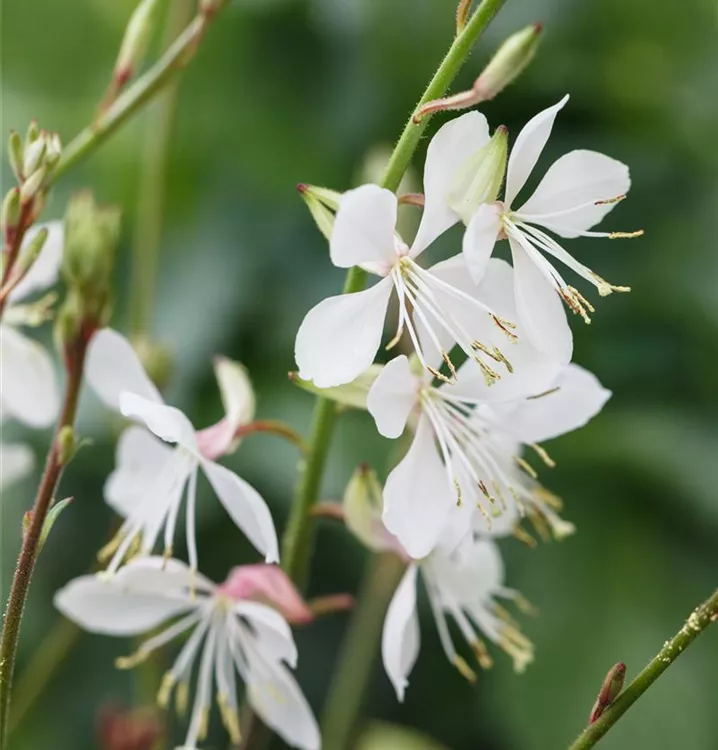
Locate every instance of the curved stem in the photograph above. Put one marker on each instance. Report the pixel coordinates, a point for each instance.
(697, 622)
(153, 178)
(174, 60)
(358, 652)
(44, 499)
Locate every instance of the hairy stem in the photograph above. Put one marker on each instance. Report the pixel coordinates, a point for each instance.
(358, 652)
(174, 60)
(697, 622)
(153, 178)
(44, 499)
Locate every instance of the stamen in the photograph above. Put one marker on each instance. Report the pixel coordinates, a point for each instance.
(543, 496)
(500, 494)
(517, 646)
(576, 302)
(486, 493)
(230, 718)
(127, 662)
(182, 698)
(604, 288)
(458, 492)
(526, 467)
(466, 671)
(608, 201)
(525, 605)
(449, 364)
(165, 691)
(545, 393)
(203, 723)
(505, 327)
(625, 235)
(539, 523)
(482, 654)
(543, 455)
(518, 532)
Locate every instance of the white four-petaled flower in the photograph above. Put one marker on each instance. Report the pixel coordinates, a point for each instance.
(148, 485)
(27, 373)
(339, 338)
(229, 632)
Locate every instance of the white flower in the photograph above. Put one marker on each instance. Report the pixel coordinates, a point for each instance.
(462, 585)
(578, 190)
(29, 390)
(16, 461)
(339, 338)
(228, 634)
(148, 484)
(467, 443)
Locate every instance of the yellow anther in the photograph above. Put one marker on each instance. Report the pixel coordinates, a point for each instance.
(449, 364)
(518, 532)
(506, 326)
(525, 605)
(482, 654)
(230, 719)
(625, 235)
(540, 525)
(109, 549)
(499, 494)
(182, 698)
(466, 671)
(203, 723)
(543, 455)
(458, 492)
(542, 495)
(165, 691)
(526, 467)
(608, 201)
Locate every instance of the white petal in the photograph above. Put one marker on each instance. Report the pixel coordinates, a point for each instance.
(480, 238)
(246, 507)
(273, 633)
(166, 422)
(401, 638)
(139, 459)
(364, 228)
(109, 607)
(236, 391)
(46, 268)
(417, 495)
(578, 398)
(113, 367)
(339, 338)
(486, 562)
(452, 145)
(579, 178)
(527, 149)
(27, 374)
(540, 310)
(280, 703)
(16, 461)
(171, 578)
(393, 396)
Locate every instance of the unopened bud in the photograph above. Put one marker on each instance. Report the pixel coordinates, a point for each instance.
(65, 445)
(322, 204)
(478, 180)
(91, 234)
(15, 149)
(134, 43)
(25, 262)
(611, 687)
(32, 133)
(53, 150)
(32, 185)
(33, 155)
(11, 210)
(509, 62)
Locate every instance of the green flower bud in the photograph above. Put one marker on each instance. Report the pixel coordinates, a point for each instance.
(91, 234)
(34, 153)
(33, 133)
(480, 177)
(322, 204)
(32, 185)
(134, 43)
(11, 210)
(511, 59)
(15, 152)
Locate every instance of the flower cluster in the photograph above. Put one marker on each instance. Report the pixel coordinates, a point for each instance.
(486, 377)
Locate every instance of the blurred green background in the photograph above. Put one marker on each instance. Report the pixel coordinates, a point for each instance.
(285, 91)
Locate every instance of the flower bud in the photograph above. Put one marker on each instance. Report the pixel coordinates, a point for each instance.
(32, 185)
(32, 133)
(509, 61)
(53, 150)
(91, 234)
(611, 687)
(322, 204)
(478, 180)
(33, 156)
(11, 210)
(134, 43)
(15, 149)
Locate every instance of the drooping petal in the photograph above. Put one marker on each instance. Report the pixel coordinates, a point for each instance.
(166, 422)
(417, 495)
(401, 638)
(113, 367)
(275, 640)
(29, 390)
(246, 507)
(574, 191)
(480, 238)
(279, 701)
(109, 607)
(577, 398)
(527, 149)
(540, 311)
(364, 228)
(45, 270)
(393, 396)
(16, 461)
(452, 145)
(139, 459)
(339, 338)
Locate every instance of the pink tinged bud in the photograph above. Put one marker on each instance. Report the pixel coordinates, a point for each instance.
(612, 686)
(268, 584)
(124, 729)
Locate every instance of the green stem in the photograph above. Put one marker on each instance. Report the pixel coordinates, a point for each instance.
(150, 206)
(174, 60)
(54, 466)
(699, 620)
(358, 652)
(297, 543)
